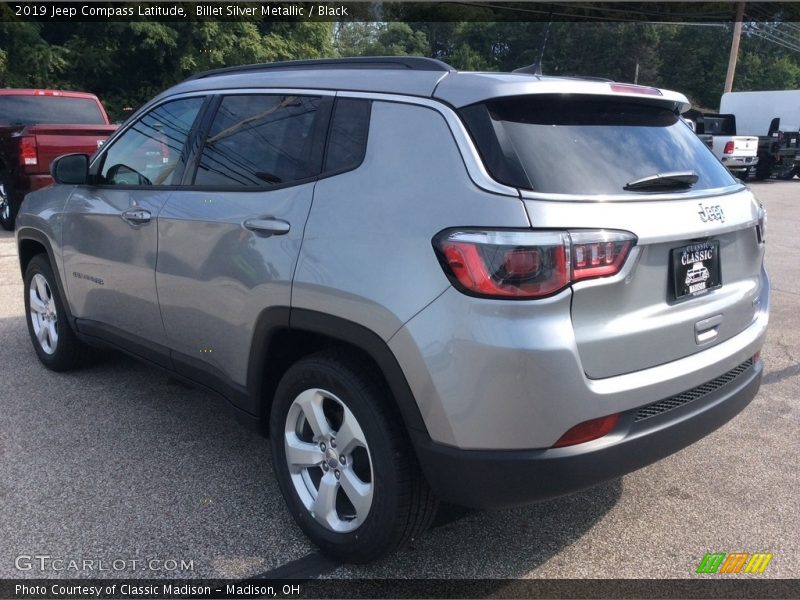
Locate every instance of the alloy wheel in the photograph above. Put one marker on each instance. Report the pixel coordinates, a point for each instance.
(43, 314)
(329, 460)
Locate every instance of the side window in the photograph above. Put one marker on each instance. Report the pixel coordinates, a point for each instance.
(149, 152)
(261, 140)
(347, 141)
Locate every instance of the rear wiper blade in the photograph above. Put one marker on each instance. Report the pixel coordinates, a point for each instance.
(660, 181)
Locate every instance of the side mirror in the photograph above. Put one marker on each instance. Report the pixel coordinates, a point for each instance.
(71, 169)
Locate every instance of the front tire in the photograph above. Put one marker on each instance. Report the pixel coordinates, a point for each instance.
(343, 460)
(53, 339)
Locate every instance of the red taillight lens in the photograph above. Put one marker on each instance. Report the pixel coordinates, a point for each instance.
(728, 148)
(529, 264)
(587, 431)
(28, 151)
(497, 264)
(593, 257)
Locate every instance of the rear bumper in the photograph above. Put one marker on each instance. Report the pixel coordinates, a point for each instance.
(495, 479)
(736, 162)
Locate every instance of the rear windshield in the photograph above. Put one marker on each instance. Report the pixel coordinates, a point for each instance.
(34, 110)
(588, 145)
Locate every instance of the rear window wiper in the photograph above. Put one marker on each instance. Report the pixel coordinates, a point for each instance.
(663, 181)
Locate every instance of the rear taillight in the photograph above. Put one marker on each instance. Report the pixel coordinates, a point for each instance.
(28, 151)
(588, 431)
(596, 255)
(529, 264)
(728, 148)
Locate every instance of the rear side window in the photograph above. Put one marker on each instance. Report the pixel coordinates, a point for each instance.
(586, 146)
(347, 140)
(33, 110)
(261, 140)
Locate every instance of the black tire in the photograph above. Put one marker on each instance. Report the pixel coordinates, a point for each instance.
(785, 174)
(402, 504)
(8, 211)
(67, 352)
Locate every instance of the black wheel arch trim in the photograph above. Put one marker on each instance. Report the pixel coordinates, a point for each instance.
(272, 320)
(29, 233)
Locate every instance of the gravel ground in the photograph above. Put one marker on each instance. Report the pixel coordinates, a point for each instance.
(117, 462)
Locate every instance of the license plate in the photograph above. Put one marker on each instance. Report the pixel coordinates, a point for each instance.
(695, 269)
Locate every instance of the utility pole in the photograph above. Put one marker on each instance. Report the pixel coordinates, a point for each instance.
(737, 34)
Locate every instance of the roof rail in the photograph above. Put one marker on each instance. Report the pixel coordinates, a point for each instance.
(413, 63)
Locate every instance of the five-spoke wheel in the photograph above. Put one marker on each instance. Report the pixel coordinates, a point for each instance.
(343, 459)
(43, 313)
(329, 461)
(54, 341)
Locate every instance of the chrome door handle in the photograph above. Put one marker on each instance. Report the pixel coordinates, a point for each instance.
(268, 226)
(137, 216)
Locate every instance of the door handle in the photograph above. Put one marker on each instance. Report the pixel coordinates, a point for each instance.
(268, 226)
(137, 216)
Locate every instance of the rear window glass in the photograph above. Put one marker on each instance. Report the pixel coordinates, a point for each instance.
(589, 145)
(33, 110)
(347, 140)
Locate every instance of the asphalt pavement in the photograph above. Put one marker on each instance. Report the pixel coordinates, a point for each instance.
(117, 462)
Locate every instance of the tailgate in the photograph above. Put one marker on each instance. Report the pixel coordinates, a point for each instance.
(745, 145)
(54, 140)
(658, 310)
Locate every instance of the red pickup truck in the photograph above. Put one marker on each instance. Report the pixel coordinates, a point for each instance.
(36, 126)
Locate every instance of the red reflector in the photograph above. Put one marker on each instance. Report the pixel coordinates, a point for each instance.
(522, 263)
(28, 152)
(728, 148)
(587, 431)
(756, 357)
(629, 88)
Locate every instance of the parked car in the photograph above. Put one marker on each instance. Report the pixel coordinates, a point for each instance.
(425, 284)
(35, 127)
(739, 153)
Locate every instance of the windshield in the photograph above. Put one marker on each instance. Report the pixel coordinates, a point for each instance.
(587, 145)
(34, 110)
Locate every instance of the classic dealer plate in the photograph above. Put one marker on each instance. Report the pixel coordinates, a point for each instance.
(695, 269)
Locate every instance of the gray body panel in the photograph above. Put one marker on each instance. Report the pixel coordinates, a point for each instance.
(367, 255)
(215, 276)
(616, 320)
(508, 375)
(44, 214)
(109, 264)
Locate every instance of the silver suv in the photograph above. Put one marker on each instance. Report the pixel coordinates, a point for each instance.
(423, 284)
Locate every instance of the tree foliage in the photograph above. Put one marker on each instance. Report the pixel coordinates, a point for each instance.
(127, 63)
